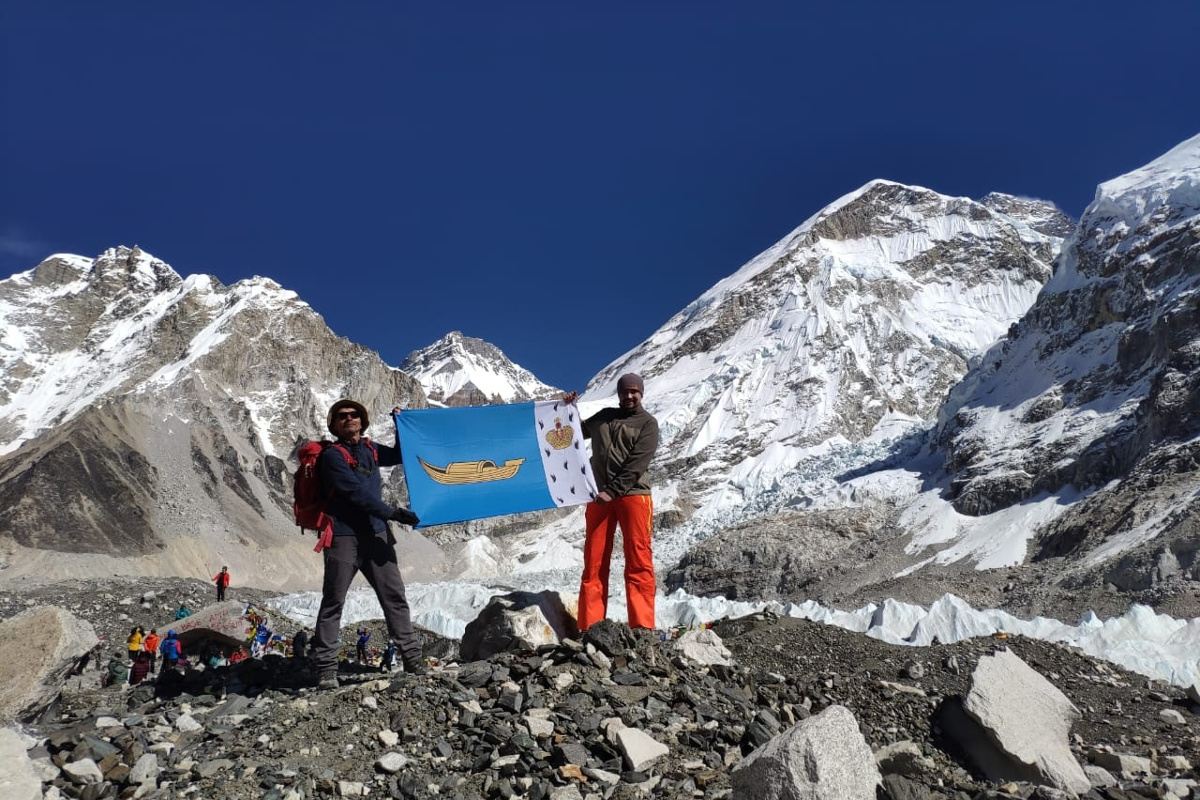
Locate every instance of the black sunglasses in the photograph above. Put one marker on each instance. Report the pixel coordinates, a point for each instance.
(347, 415)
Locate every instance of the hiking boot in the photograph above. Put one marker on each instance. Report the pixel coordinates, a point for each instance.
(415, 666)
(327, 679)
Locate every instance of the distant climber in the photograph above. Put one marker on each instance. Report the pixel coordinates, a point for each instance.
(221, 579)
(150, 647)
(171, 650)
(300, 644)
(388, 662)
(134, 642)
(117, 671)
(360, 647)
(140, 668)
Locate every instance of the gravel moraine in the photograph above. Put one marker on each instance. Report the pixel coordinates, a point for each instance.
(530, 725)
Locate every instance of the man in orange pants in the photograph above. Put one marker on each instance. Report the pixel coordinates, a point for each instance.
(624, 440)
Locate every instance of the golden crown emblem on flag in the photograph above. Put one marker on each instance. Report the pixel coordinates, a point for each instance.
(560, 436)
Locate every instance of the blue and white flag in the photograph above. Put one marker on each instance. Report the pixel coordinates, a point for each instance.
(484, 461)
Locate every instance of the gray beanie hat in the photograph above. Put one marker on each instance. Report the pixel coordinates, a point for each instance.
(631, 380)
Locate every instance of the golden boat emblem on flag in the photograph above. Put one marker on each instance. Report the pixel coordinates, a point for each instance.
(560, 437)
(459, 472)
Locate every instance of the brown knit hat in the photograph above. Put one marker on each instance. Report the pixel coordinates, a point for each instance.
(345, 403)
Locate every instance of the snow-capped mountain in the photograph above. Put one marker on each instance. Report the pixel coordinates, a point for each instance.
(822, 353)
(146, 419)
(886, 391)
(1060, 475)
(1089, 411)
(829, 353)
(460, 370)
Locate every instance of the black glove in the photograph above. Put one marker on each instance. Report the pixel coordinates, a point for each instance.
(405, 517)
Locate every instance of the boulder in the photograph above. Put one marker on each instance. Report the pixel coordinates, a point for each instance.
(704, 646)
(224, 622)
(18, 781)
(517, 622)
(821, 758)
(38, 649)
(611, 638)
(1016, 725)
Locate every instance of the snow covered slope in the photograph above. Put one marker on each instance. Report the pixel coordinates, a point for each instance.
(1076, 438)
(824, 352)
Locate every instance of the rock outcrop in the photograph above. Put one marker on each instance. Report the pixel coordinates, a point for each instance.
(38, 649)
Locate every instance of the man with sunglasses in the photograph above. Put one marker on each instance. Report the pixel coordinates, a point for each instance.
(349, 471)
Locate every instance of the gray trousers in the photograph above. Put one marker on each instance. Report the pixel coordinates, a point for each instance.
(375, 557)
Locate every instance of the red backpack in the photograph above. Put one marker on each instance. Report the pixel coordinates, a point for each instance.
(309, 500)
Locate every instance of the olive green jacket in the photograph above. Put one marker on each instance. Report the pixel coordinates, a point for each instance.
(623, 444)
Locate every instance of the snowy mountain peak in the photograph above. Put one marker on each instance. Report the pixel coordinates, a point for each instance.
(460, 370)
(1168, 184)
(819, 354)
(145, 418)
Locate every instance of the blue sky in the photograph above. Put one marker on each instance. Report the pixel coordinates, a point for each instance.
(555, 178)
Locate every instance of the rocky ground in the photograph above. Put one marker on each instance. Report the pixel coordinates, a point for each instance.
(532, 724)
(851, 557)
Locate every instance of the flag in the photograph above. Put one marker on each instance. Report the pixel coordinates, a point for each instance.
(484, 461)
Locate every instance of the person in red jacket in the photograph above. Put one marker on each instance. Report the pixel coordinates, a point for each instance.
(150, 647)
(221, 579)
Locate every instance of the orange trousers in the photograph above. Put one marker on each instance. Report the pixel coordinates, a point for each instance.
(635, 514)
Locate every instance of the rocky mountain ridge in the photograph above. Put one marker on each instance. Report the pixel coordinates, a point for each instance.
(799, 394)
(827, 355)
(148, 419)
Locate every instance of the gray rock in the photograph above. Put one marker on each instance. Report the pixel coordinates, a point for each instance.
(1099, 776)
(703, 646)
(898, 787)
(517, 621)
(145, 769)
(638, 748)
(822, 758)
(904, 758)
(350, 789)
(1025, 721)
(1127, 766)
(391, 763)
(18, 781)
(207, 769)
(1172, 716)
(1180, 787)
(571, 753)
(82, 772)
(38, 647)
